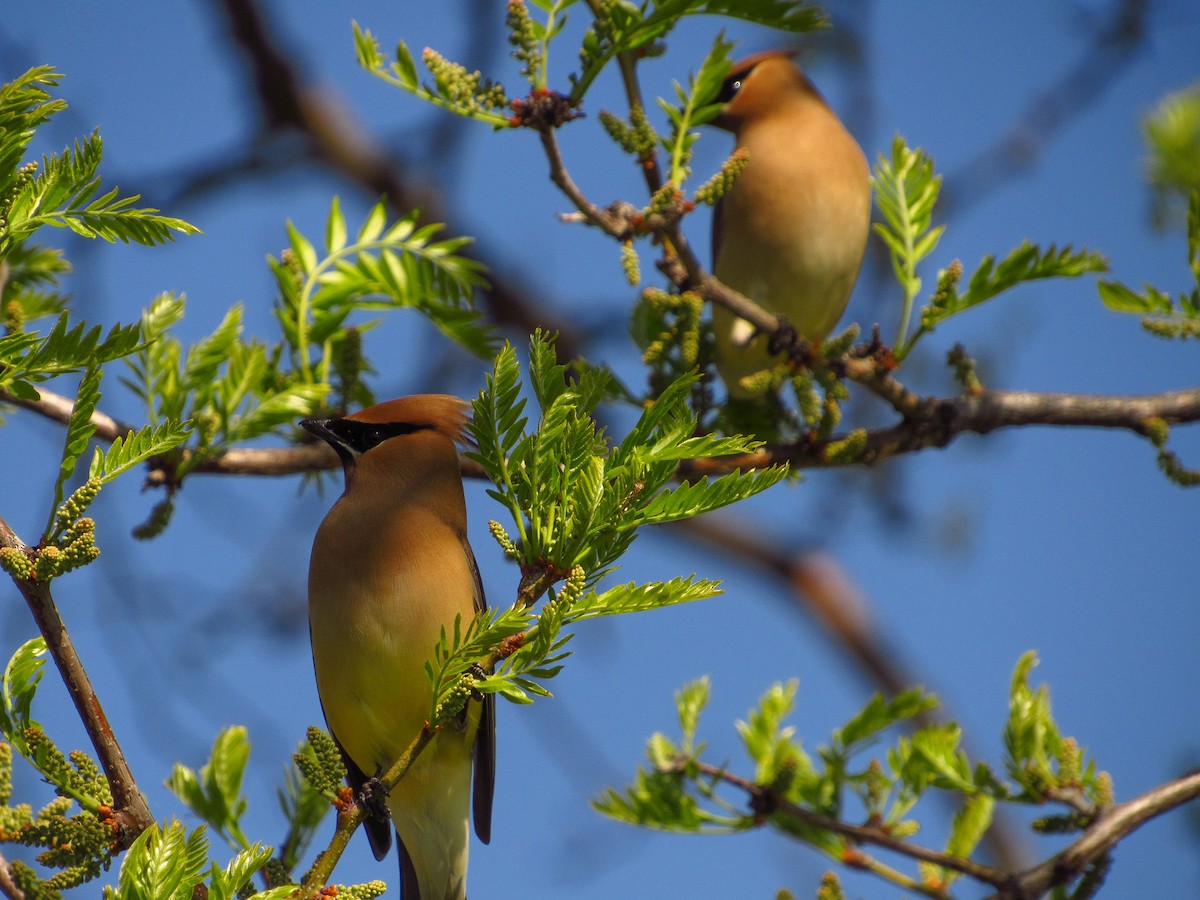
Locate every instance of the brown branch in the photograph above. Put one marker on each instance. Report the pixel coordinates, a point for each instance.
(131, 813)
(939, 421)
(859, 834)
(932, 422)
(1104, 833)
(1109, 828)
(58, 408)
(608, 222)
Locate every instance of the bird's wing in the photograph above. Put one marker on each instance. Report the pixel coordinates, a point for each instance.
(485, 734)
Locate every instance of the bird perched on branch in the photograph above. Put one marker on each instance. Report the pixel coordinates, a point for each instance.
(390, 568)
(791, 232)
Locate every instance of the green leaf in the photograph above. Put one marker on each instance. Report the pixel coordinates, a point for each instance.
(372, 228)
(335, 227)
(1172, 135)
(226, 883)
(971, 822)
(1161, 315)
(766, 740)
(207, 355)
(628, 598)
(1028, 262)
(163, 864)
(937, 760)
(215, 795)
(629, 28)
(880, 714)
(688, 500)
(1120, 298)
(1031, 737)
(79, 432)
(402, 267)
(454, 88)
(21, 678)
(27, 356)
(59, 196)
(690, 700)
(698, 105)
(906, 190)
(25, 104)
(137, 447)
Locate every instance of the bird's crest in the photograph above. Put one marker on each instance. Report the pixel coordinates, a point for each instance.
(441, 412)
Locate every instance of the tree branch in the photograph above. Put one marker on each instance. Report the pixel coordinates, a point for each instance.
(859, 834)
(939, 421)
(930, 422)
(1110, 827)
(131, 813)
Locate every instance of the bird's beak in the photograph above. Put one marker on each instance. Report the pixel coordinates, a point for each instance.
(319, 428)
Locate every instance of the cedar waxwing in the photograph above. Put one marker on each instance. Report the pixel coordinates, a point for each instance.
(390, 568)
(791, 232)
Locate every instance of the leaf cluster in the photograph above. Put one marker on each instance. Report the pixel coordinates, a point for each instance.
(383, 267)
(906, 193)
(62, 190)
(576, 501)
(637, 28)
(850, 779)
(574, 498)
(228, 389)
(170, 863)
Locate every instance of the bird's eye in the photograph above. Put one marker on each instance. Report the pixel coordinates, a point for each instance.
(729, 89)
(374, 437)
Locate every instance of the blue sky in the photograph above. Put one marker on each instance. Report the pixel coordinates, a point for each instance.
(1066, 542)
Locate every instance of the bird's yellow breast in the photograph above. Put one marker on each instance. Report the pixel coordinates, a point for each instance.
(375, 617)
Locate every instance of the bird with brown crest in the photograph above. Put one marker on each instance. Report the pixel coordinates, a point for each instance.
(791, 232)
(390, 568)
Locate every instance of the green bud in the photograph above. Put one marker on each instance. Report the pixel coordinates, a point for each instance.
(831, 888)
(16, 563)
(367, 891)
(848, 449)
(630, 264)
(45, 566)
(501, 537)
(718, 186)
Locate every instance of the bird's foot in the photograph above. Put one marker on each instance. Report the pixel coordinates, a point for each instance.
(787, 341)
(373, 798)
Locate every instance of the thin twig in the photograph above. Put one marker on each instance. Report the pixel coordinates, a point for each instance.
(862, 834)
(1109, 828)
(131, 813)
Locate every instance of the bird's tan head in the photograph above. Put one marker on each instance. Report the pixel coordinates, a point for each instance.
(762, 85)
(418, 425)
